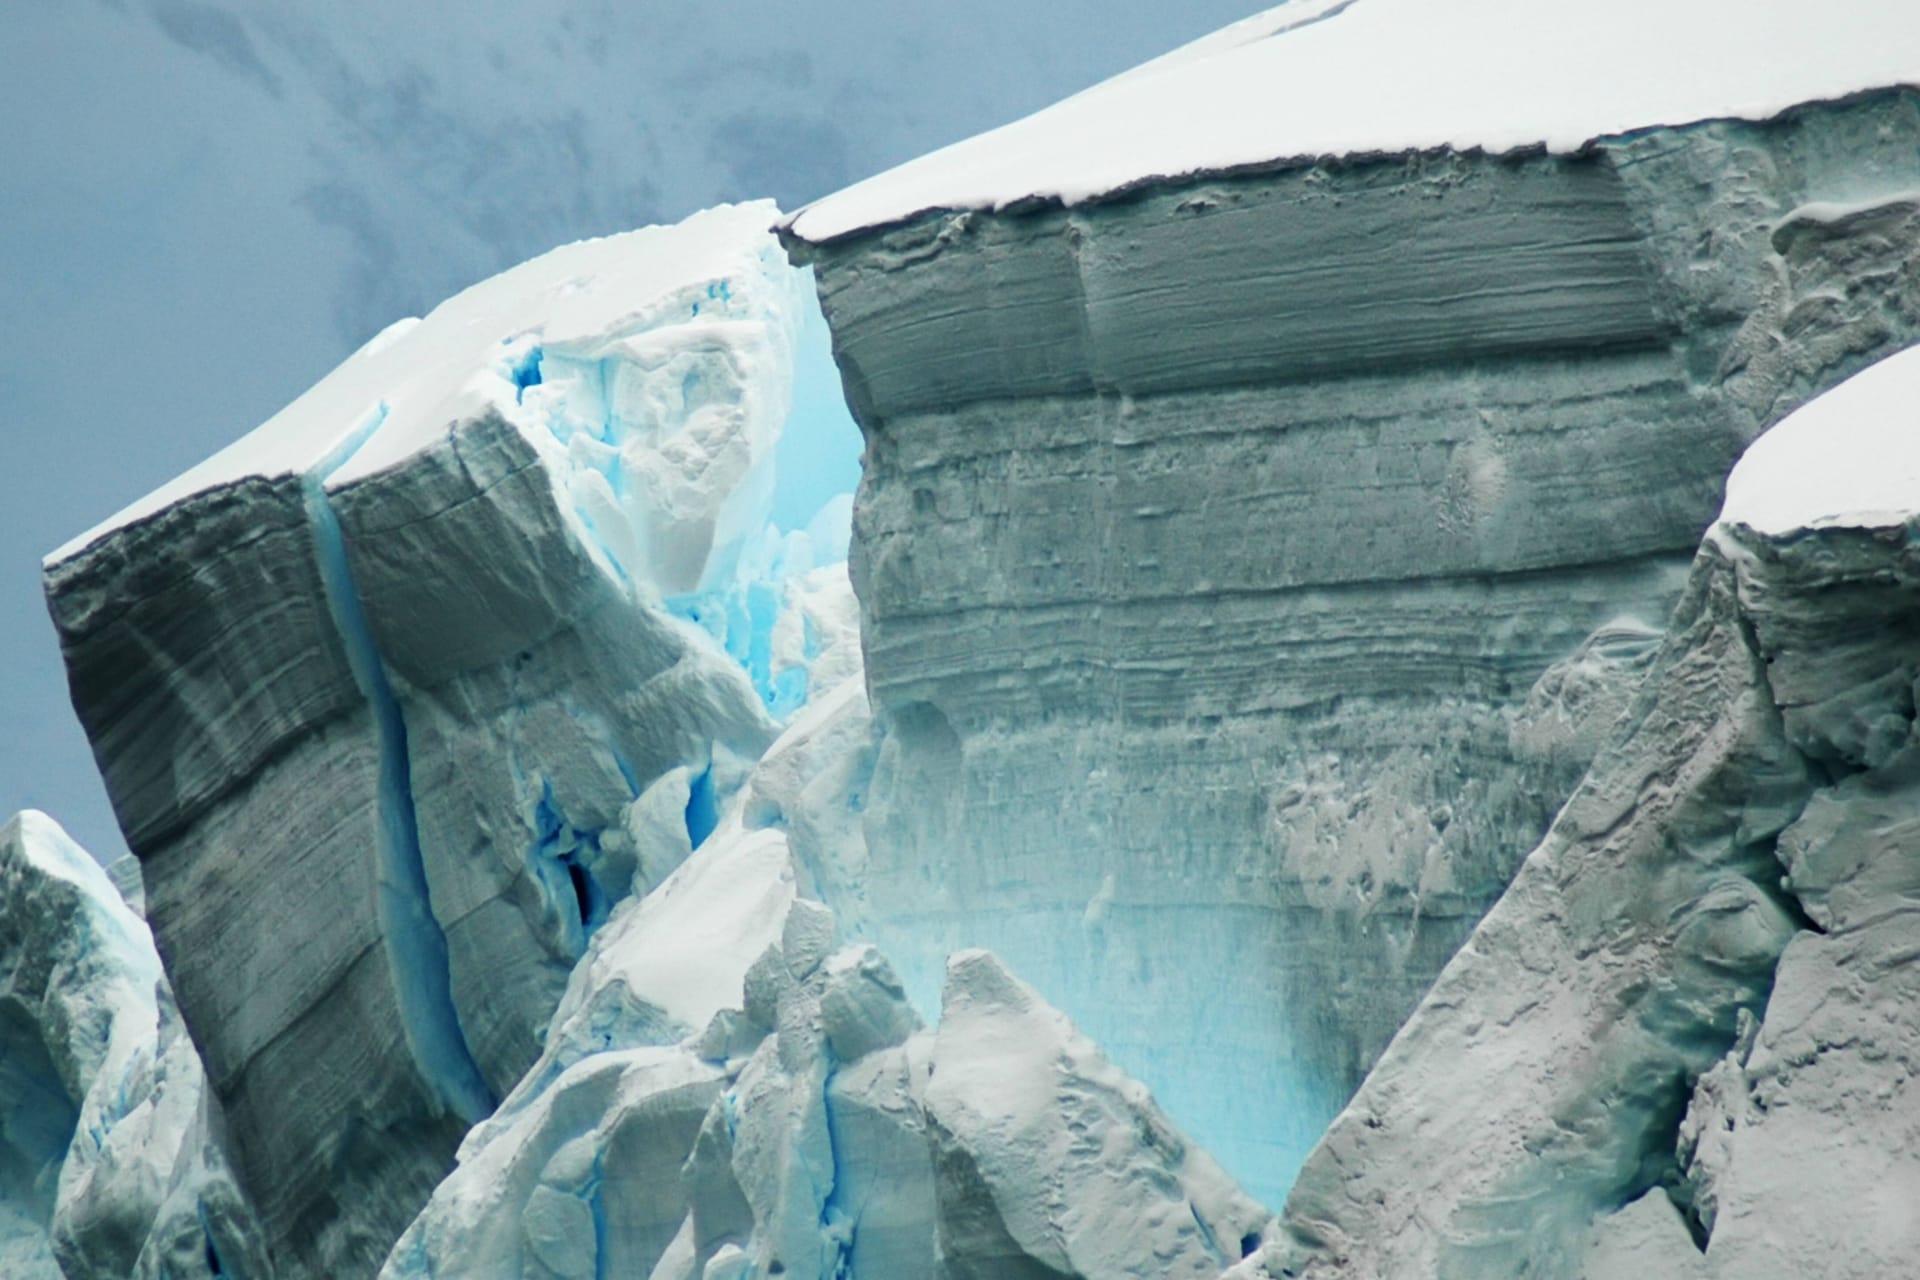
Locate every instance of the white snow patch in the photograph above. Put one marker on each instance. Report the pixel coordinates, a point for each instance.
(1831, 211)
(686, 947)
(49, 848)
(659, 359)
(1314, 78)
(1848, 458)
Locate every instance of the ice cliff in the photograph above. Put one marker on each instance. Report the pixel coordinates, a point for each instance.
(1256, 538)
(482, 711)
(378, 692)
(1683, 1039)
(582, 842)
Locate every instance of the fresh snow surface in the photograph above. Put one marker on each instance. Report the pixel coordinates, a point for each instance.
(53, 853)
(685, 948)
(1848, 458)
(526, 344)
(1325, 78)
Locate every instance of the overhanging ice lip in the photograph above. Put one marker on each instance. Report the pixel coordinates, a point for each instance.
(1322, 78)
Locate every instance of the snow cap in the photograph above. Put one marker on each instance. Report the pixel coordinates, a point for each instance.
(1849, 458)
(1350, 77)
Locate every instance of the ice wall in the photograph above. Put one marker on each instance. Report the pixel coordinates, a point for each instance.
(1682, 1042)
(1248, 561)
(384, 693)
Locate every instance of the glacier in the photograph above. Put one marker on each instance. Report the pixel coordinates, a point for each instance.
(1364, 675)
(566, 738)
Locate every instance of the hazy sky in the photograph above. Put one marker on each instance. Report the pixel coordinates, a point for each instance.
(205, 206)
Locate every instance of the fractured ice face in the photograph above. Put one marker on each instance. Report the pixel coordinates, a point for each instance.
(1330, 78)
(1848, 458)
(772, 608)
(400, 674)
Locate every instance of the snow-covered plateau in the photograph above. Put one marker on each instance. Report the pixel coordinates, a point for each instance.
(1360, 722)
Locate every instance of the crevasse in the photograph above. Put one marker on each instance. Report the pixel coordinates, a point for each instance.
(416, 945)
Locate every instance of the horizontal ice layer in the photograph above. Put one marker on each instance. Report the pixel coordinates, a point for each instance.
(392, 709)
(1250, 567)
(1684, 1038)
(1851, 457)
(111, 1166)
(1365, 77)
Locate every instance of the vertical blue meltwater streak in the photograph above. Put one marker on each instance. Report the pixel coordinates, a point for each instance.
(415, 943)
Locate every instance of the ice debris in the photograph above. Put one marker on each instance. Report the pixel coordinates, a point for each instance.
(111, 1158)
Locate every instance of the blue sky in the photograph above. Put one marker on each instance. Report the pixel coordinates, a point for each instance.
(205, 204)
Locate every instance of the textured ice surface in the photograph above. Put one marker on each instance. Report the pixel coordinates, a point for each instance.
(1682, 1042)
(110, 1159)
(397, 677)
(1250, 568)
(1310, 80)
(1086, 1174)
(1851, 457)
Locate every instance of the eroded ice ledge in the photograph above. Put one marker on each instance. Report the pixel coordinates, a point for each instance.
(1365, 77)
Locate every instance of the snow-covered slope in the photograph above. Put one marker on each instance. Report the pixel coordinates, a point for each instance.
(1850, 458)
(584, 352)
(1358, 77)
